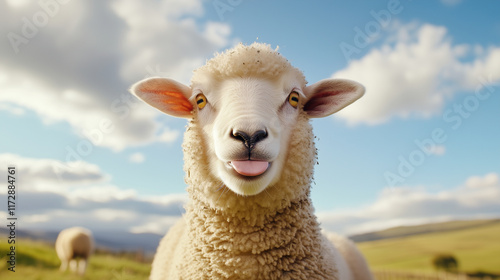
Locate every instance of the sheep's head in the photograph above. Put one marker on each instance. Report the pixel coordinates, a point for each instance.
(246, 102)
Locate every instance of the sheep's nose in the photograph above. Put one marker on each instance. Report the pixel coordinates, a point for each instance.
(249, 141)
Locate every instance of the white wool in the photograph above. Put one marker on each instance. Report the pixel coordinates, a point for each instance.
(255, 60)
(232, 230)
(74, 245)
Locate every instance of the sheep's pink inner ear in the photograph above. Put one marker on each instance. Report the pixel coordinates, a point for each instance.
(330, 96)
(166, 95)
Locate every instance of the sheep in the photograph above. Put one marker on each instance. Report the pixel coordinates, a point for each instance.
(249, 156)
(72, 244)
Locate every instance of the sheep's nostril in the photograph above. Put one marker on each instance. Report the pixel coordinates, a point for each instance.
(249, 141)
(242, 136)
(258, 136)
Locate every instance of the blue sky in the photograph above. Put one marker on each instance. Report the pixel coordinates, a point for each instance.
(420, 146)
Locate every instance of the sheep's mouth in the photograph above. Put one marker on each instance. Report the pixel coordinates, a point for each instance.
(249, 168)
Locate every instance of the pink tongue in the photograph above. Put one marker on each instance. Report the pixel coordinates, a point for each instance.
(250, 167)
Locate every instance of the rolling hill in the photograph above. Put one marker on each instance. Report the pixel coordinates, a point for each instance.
(476, 245)
(403, 231)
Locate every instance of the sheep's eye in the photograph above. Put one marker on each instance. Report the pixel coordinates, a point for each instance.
(201, 100)
(293, 99)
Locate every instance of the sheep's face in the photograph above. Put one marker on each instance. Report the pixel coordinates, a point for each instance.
(247, 123)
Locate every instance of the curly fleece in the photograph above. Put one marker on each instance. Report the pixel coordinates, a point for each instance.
(256, 60)
(272, 235)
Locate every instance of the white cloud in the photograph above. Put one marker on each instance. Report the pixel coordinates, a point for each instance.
(177, 45)
(137, 158)
(54, 175)
(437, 150)
(217, 33)
(100, 193)
(168, 135)
(155, 224)
(109, 215)
(17, 3)
(37, 218)
(82, 194)
(414, 73)
(14, 110)
(167, 199)
(490, 180)
(477, 198)
(92, 53)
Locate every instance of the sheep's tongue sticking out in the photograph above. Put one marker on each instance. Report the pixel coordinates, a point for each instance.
(250, 167)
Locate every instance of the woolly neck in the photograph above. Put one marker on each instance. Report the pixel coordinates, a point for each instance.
(271, 235)
(286, 245)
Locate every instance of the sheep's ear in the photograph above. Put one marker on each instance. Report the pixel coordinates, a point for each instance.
(330, 96)
(166, 95)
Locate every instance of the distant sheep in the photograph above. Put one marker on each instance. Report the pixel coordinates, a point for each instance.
(73, 244)
(249, 156)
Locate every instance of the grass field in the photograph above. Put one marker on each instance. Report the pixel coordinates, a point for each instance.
(476, 248)
(38, 260)
(403, 231)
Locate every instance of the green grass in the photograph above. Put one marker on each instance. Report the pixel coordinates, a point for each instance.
(38, 260)
(421, 229)
(476, 249)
